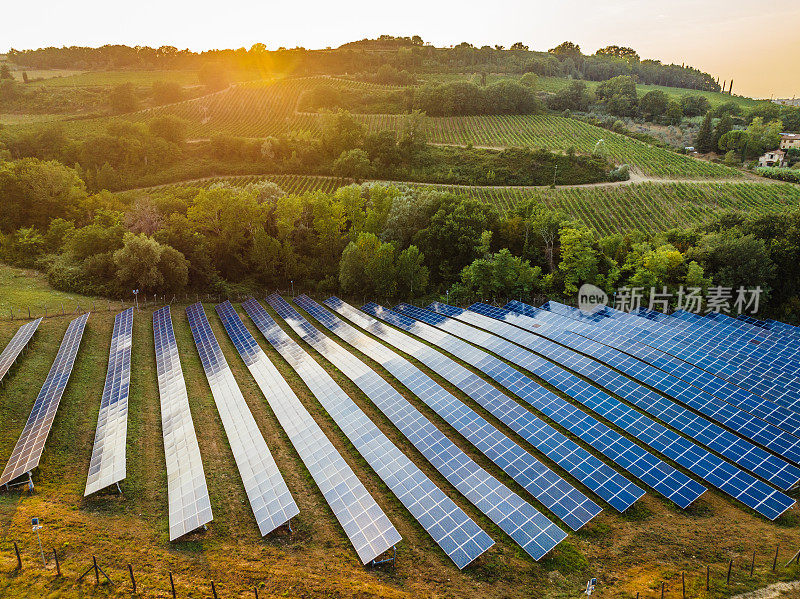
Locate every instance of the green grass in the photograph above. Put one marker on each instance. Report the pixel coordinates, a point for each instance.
(627, 554)
(22, 289)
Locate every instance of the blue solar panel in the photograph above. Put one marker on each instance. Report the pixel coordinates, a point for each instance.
(744, 453)
(28, 450)
(618, 491)
(529, 528)
(640, 463)
(16, 345)
(107, 465)
(614, 336)
(270, 499)
(726, 477)
(187, 491)
(362, 519)
(458, 536)
(566, 502)
(774, 386)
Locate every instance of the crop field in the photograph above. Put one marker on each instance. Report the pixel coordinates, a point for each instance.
(262, 109)
(653, 542)
(649, 206)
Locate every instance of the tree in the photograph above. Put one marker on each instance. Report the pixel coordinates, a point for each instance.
(694, 105)
(498, 275)
(619, 52)
(601, 150)
(213, 76)
(674, 114)
(734, 260)
(572, 97)
(367, 267)
(170, 128)
(143, 263)
(530, 80)
(123, 98)
(618, 95)
(653, 104)
(567, 50)
(340, 132)
(352, 164)
(704, 142)
(519, 46)
(381, 147)
(763, 136)
(33, 192)
(412, 274)
(724, 125)
(733, 141)
(166, 92)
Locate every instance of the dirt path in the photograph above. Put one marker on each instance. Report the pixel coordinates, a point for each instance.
(780, 590)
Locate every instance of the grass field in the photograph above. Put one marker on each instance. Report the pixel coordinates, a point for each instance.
(629, 554)
(649, 206)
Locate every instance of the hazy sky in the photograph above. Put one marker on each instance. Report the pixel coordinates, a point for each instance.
(756, 43)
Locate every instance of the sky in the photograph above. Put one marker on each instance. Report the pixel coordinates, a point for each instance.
(755, 43)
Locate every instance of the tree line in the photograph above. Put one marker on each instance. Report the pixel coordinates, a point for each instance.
(372, 240)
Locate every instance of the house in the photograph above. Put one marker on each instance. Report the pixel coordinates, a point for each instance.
(790, 140)
(773, 158)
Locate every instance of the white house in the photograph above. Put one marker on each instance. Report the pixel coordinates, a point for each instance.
(790, 140)
(773, 158)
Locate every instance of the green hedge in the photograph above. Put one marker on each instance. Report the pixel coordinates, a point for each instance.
(791, 175)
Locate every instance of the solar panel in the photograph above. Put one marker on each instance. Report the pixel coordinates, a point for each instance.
(522, 522)
(189, 504)
(544, 338)
(617, 490)
(270, 499)
(645, 466)
(711, 468)
(362, 519)
(16, 345)
(107, 465)
(561, 498)
(531, 530)
(774, 386)
(30, 445)
(613, 336)
(461, 539)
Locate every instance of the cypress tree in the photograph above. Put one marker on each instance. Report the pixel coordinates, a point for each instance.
(705, 135)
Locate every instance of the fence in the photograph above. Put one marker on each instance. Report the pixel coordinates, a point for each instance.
(705, 581)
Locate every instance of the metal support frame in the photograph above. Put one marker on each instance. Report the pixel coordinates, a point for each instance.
(393, 559)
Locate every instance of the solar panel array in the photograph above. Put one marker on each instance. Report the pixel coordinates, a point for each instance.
(708, 466)
(458, 536)
(683, 341)
(30, 445)
(362, 519)
(517, 518)
(566, 502)
(616, 336)
(738, 450)
(16, 345)
(270, 499)
(187, 492)
(611, 486)
(529, 528)
(639, 462)
(107, 465)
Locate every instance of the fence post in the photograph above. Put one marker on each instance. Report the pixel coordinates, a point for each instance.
(753, 564)
(213, 590)
(683, 583)
(172, 584)
(58, 565)
(730, 567)
(96, 571)
(662, 589)
(133, 580)
(19, 557)
(775, 559)
(708, 577)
